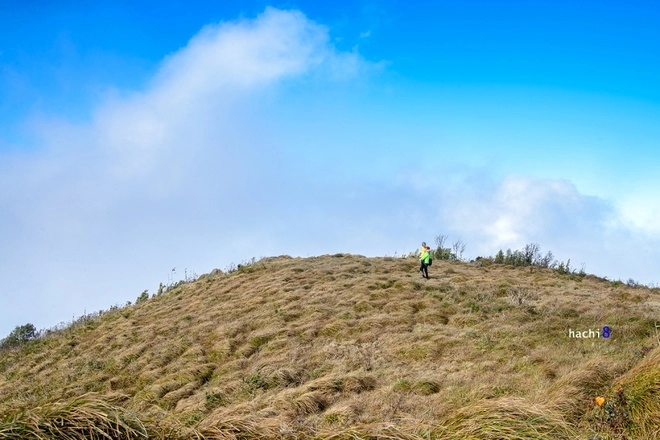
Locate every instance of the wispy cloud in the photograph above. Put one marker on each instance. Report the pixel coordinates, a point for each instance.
(180, 172)
(519, 209)
(640, 209)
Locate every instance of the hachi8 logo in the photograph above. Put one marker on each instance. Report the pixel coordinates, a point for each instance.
(605, 333)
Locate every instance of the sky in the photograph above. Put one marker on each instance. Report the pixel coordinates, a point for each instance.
(141, 142)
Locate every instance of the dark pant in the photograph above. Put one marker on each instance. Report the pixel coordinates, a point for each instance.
(424, 269)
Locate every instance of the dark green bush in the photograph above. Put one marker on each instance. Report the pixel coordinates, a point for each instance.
(20, 335)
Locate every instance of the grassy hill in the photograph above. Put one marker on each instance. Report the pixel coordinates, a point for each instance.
(343, 347)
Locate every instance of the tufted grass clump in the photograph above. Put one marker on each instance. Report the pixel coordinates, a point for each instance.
(507, 418)
(88, 417)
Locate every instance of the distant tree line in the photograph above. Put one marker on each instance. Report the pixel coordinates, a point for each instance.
(530, 255)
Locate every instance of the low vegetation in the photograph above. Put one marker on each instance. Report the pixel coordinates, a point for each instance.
(348, 347)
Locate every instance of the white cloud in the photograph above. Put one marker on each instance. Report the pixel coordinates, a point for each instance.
(524, 209)
(200, 91)
(641, 210)
(182, 173)
(244, 54)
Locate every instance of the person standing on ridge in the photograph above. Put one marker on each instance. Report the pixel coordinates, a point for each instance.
(425, 255)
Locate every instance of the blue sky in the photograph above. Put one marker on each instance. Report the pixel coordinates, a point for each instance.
(136, 139)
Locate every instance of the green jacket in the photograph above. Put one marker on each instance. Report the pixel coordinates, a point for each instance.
(425, 256)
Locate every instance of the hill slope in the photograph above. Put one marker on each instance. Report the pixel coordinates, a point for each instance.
(351, 347)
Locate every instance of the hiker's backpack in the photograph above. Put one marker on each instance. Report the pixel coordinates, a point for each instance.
(430, 260)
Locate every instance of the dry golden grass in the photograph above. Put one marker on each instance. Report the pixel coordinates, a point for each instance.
(85, 417)
(507, 418)
(345, 346)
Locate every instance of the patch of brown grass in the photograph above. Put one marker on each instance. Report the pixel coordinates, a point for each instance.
(87, 417)
(507, 418)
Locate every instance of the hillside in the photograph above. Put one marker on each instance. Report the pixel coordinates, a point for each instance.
(345, 346)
